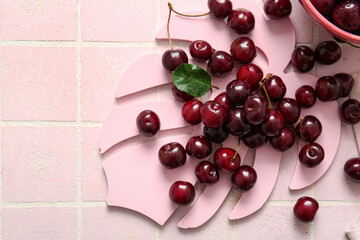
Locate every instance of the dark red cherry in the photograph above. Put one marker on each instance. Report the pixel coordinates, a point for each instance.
(325, 7)
(215, 135)
(237, 91)
(236, 123)
(241, 21)
(220, 8)
(222, 98)
(200, 50)
(180, 95)
(352, 169)
(172, 155)
(244, 178)
(182, 192)
(305, 96)
(198, 147)
(191, 111)
(275, 88)
(346, 82)
(148, 123)
(255, 109)
(350, 111)
(327, 89)
(311, 155)
(252, 74)
(221, 63)
(305, 209)
(226, 159)
(255, 138)
(173, 58)
(273, 123)
(311, 128)
(327, 52)
(207, 173)
(284, 140)
(243, 50)
(213, 115)
(303, 59)
(346, 15)
(277, 9)
(290, 110)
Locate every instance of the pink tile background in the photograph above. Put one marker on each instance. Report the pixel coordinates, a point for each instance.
(55, 95)
(38, 19)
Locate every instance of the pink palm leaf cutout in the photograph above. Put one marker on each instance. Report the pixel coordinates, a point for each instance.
(124, 189)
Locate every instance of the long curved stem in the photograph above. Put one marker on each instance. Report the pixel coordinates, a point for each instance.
(237, 150)
(168, 27)
(186, 15)
(262, 85)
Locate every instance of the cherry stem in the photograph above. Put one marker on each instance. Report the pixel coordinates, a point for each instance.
(262, 85)
(302, 136)
(353, 45)
(168, 26)
(186, 15)
(214, 87)
(237, 150)
(356, 113)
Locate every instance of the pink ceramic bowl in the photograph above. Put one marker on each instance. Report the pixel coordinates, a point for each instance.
(329, 26)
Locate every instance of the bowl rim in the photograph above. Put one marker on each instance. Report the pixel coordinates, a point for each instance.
(335, 30)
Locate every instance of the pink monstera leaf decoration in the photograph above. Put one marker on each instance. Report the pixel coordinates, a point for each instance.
(136, 179)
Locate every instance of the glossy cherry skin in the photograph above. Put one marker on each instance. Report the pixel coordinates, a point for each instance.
(325, 7)
(237, 91)
(182, 192)
(191, 111)
(215, 135)
(198, 147)
(244, 178)
(173, 58)
(243, 50)
(303, 59)
(290, 110)
(255, 138)
(207, 173)
(224, 159)
(311, 155)
(346, 82)
(275, 88)
(284, 140)
(327, 52)
(222, 98)
(180, 95)
(252, 74)
(305, 209)
(172, 155)
(213, 115)
(277, 9)
(148, 123)
(346, 15)
(311, 128)
(327, 89)
(236, 123)
(352, 169)
(221, 63)
(305, 96)
(241, 21)
(255, 109)
(220, 8)
(273, 123)
(350, 111)
(200, 50)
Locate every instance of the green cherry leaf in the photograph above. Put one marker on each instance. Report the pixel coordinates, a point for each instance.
(192, 79)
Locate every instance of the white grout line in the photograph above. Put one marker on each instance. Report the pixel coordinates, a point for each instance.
(79, 118)
(53, 204)
(1, 169)
(50, 123)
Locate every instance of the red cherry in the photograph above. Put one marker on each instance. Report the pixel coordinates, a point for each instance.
(207, 173)
(182, 192)
(148, 123)
(224, 159)
(306, 208)
(244, 178)
(241, 21)
(191, 111)
(352, 169)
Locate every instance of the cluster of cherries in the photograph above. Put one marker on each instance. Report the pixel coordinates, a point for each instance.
(343, 13)
(252, 108)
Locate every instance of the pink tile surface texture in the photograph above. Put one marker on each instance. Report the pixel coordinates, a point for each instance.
(61, 62)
